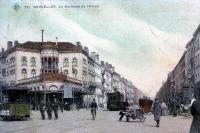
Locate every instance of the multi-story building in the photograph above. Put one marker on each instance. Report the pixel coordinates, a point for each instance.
(179, 79)
(130, 92)
(107, 70)
(44, 68)
(116, 82)
(98, 79)
(95, 79)
(196, 41)
(186, 74)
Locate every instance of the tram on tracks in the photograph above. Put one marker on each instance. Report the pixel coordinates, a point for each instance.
(14, 104)
(115, 101)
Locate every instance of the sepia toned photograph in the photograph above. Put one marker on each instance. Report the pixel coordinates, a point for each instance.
(99, 66)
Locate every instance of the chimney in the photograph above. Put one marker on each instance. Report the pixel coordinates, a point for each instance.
(86, 49)
(102, 63)
(97, 57)
(78, 44)
(2, 49)
(9, 45)
(16, 43)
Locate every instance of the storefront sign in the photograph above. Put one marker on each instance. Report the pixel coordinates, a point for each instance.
(67, 91)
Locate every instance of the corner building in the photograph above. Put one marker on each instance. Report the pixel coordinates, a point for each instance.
(44, 69)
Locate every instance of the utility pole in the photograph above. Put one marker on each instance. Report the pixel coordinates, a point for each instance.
(45, 88)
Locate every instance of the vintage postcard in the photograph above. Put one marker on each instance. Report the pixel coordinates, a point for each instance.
(99, 66)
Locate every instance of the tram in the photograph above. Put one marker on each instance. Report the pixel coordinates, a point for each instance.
(14, 104)
(115, 101)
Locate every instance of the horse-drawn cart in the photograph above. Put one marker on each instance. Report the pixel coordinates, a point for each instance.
(146, 104)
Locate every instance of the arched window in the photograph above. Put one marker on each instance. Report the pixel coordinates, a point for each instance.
(33, 72)
(75, 72)
(24, 61)
(66, 72)
(84, 61)
(75, 62)
(24, 73)
(12, 60)
(66, 62)
(33, 62)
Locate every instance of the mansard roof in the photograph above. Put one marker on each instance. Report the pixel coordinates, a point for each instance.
(38, 46)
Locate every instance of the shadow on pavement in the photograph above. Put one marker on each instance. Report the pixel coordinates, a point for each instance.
(149, 125)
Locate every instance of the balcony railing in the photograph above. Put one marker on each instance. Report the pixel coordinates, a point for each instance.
(70, 79)
(28, 80)
(53, 77)
(90, 83)
(49, 46)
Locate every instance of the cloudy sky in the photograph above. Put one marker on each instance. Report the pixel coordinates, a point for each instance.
(143, 39)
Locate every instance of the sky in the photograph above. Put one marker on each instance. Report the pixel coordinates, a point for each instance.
(143, 39)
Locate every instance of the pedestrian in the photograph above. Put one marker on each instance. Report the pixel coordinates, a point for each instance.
(174, 107)
(157, 112)
(55, 108)
(195, 111)
(124, 108)
(94, 106)
(49, 110)
(61, 106)
(42, 110)
(163, 109)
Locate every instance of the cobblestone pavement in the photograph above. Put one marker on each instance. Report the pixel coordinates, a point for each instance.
(106, 122)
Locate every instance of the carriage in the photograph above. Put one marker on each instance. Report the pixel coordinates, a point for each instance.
(14, 104)
(146, 104)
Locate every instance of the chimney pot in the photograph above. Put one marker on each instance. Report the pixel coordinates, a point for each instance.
(16, 43)
(2, 49)
(9, 45)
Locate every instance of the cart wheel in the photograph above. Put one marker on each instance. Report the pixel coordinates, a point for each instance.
(127, 119)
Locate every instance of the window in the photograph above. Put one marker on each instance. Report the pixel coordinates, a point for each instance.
(75, 72)
(33, 72)
(24, 61)
(12, 72)
(66, 62)
(33, 62)
(66, 72)
(24, 73)
(84, 72)
(84, 61)
(12, 59)
(74, 62)
(3, 72)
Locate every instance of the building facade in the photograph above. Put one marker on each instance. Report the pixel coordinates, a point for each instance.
(44, 68)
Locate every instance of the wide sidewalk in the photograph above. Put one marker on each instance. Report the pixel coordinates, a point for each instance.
(106, 122)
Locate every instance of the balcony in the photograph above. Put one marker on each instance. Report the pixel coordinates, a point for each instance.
(90, 83)
(73, 80)
(49, 45)
(53, 77)
(29, 80)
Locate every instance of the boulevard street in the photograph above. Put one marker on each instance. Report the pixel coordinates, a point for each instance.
(106, 122)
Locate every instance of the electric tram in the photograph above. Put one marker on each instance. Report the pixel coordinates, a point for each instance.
(115, 101)
(14, 104)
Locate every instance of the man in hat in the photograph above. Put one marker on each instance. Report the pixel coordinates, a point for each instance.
(42, 110)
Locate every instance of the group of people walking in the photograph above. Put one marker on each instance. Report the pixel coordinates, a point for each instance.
(49, 108)
(53, 107)
(194, 109)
